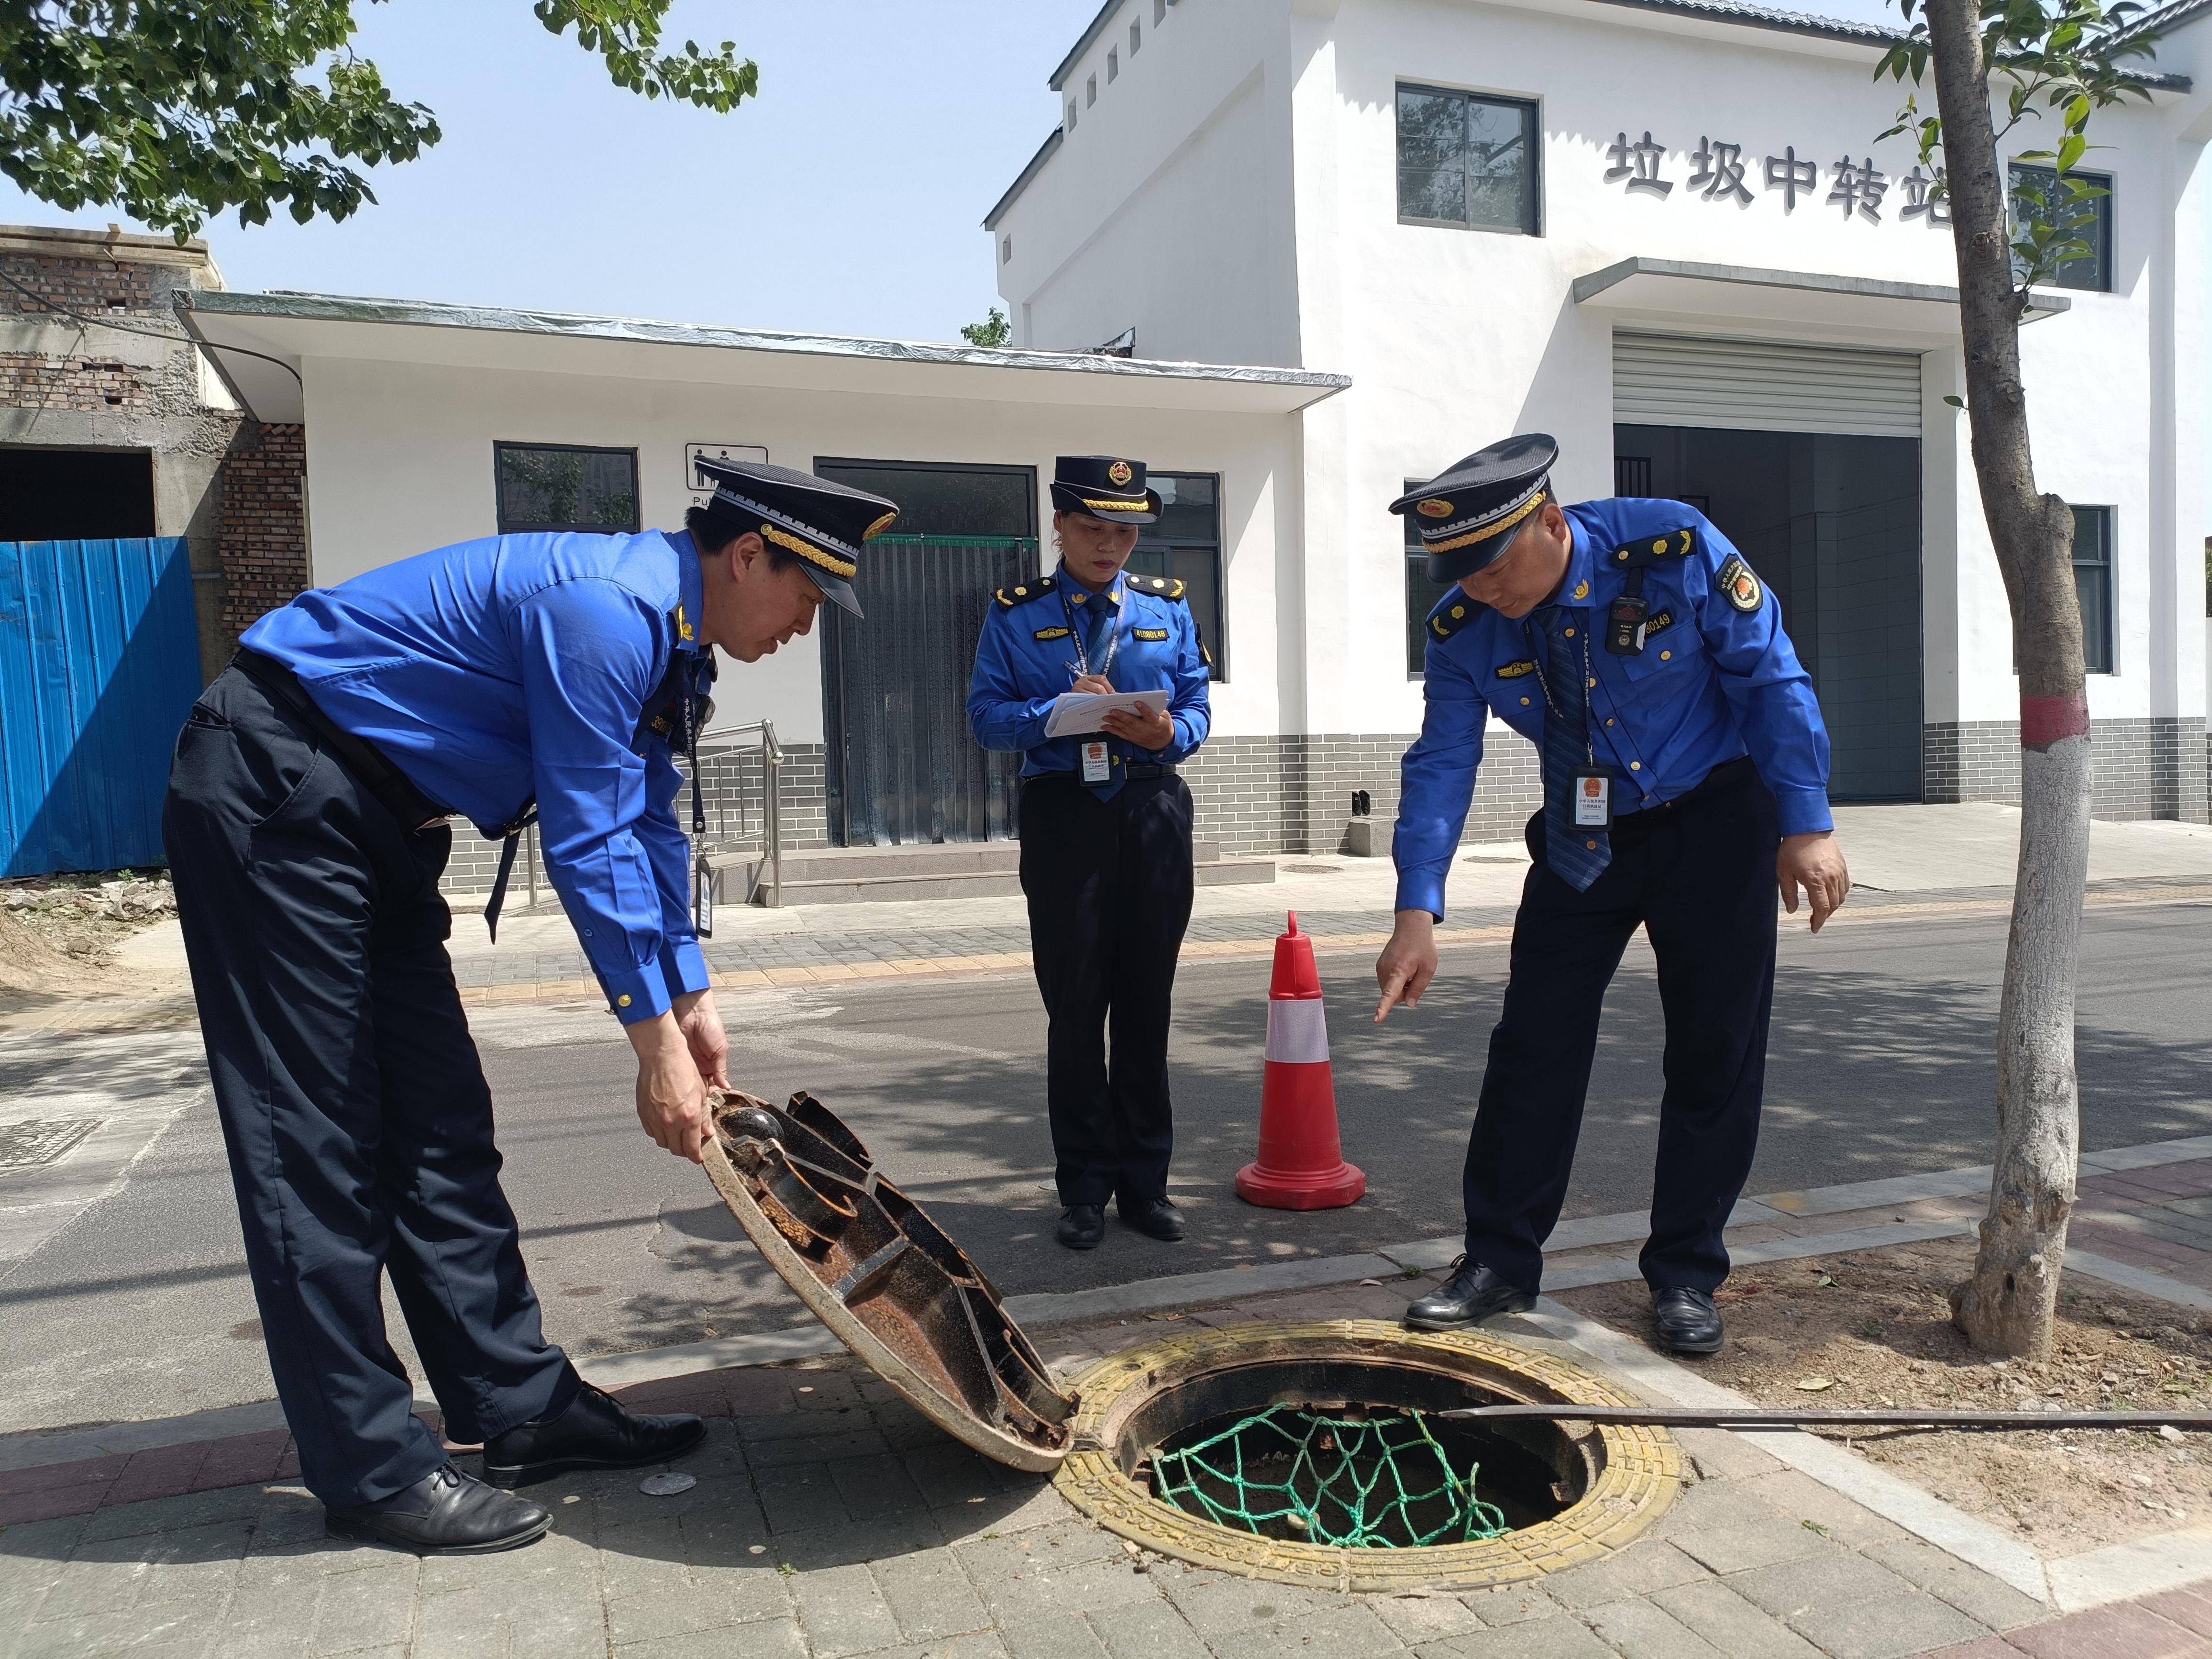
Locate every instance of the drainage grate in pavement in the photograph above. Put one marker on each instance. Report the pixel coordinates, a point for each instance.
(35, 1140)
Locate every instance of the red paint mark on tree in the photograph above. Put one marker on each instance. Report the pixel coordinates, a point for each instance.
(2045, 720)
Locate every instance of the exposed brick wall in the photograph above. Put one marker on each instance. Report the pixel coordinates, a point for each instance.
(263, 545)
(82, 385)
(2141, 769)
(94, 285)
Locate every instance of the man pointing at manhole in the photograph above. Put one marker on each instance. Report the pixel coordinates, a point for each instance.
(1685, 772)
(512, 678)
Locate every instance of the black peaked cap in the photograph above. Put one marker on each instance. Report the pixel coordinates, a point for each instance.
(825, 524)
(1467, 513)
(1106, 487)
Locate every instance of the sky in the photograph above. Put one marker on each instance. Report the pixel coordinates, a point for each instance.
(848, 199)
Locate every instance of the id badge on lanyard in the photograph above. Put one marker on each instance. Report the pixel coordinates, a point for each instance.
(1593, 797)
(1098, 760)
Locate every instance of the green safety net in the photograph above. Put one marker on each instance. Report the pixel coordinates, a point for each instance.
(1352, 1482)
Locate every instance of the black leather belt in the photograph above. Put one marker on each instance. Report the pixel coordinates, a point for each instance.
(1136, 772)
(1726, 773)
(414, 810)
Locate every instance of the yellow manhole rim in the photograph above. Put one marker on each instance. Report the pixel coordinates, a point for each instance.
(1636, 1473)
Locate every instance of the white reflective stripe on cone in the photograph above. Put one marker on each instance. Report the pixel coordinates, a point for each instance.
(1298, 1033)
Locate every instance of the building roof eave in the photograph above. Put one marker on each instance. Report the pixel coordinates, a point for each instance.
(1096, 27)
(1712, 298)
(295, 326)
(1037, 164)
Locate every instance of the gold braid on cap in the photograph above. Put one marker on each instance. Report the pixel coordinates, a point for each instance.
(1116, 506)
(1490, 530)
(836, 566)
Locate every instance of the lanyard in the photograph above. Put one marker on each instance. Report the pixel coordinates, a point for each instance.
(1082, 663)
(1544, 680)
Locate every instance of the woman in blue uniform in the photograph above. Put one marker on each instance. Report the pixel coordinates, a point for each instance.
(1106, 859)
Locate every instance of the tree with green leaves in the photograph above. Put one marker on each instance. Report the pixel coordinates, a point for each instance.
(1996, 63)
(176, 110)
(993, 330)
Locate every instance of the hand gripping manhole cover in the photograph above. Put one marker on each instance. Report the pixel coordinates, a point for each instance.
(870, 1264)
(1315, 1454)
(31, 1141)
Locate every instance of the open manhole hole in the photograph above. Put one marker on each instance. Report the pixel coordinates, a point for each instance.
(1310, 1453)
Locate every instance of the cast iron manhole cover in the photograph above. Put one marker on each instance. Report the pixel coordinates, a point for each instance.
(36, 1141)
(1313, 870)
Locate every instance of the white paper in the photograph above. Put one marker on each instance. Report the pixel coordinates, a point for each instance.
(1077, 713)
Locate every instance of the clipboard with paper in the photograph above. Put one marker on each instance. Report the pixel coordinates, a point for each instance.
(1075, 713)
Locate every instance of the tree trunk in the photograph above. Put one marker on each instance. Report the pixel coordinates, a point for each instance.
(2008, 1306)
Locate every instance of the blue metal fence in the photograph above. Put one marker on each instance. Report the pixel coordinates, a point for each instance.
(99, 661)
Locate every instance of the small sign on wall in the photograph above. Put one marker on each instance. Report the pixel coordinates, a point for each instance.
(701, 486)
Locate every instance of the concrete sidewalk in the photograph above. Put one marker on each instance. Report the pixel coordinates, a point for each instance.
(830, 1519)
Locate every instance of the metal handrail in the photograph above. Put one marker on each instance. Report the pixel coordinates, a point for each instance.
(769, 872)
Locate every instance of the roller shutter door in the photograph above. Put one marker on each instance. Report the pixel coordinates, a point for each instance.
(1763, 386)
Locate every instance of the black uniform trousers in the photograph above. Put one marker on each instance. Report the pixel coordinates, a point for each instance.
(353, 1107)
(1109, 885)
(1699, 876)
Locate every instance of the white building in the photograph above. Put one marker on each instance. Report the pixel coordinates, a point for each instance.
(1665, 231)
(1355, 239)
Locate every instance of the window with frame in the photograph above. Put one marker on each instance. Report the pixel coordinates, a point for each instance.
(2093, 272)
(1421, 594)
(1469, 160)
(2092, 585)
(561, 487)
(1186, 545)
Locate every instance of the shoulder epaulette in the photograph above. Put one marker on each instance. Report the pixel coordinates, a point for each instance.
(1651, 548)
(1453, 612)
(1160, 588)
(1035, 588)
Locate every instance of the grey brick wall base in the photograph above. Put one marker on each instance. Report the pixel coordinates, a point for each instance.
(1293, 795)
(1284, 794)
(2154, 768)
(731, 796)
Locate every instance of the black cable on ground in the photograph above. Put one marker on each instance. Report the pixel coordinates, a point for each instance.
(1761, 1417)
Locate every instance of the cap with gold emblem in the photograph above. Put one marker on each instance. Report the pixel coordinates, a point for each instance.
(825, 524)
(1468, 514)
(1104, 486)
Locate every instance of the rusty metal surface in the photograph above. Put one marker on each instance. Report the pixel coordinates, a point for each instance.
(868, 1262)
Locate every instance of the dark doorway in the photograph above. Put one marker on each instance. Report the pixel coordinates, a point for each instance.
(1832, 523)
(76, 494)
(902, 766)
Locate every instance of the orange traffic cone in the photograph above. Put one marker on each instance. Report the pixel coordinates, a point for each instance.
(1300, 1164)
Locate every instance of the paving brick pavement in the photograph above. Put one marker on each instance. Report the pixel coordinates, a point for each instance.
(831, 1521)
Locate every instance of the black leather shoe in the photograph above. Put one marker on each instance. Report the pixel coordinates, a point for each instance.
(593, 1433)
(1473, 1294)
(1082, 1226)
(444, 1513)
(1686, 1319)
(1155, 1217)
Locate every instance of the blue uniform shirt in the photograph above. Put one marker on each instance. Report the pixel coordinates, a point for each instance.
(518, 665)
(1717, 679)
(1022, 667)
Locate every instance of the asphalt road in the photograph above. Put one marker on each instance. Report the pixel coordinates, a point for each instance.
(1880, 1064)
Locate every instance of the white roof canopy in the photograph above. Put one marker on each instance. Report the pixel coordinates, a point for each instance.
(261, 342)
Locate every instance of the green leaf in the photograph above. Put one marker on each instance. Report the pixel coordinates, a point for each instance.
(1955, 403)
(175, 113)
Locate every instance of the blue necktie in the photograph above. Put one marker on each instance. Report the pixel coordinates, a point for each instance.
(1101, 635)
(1578, 855)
